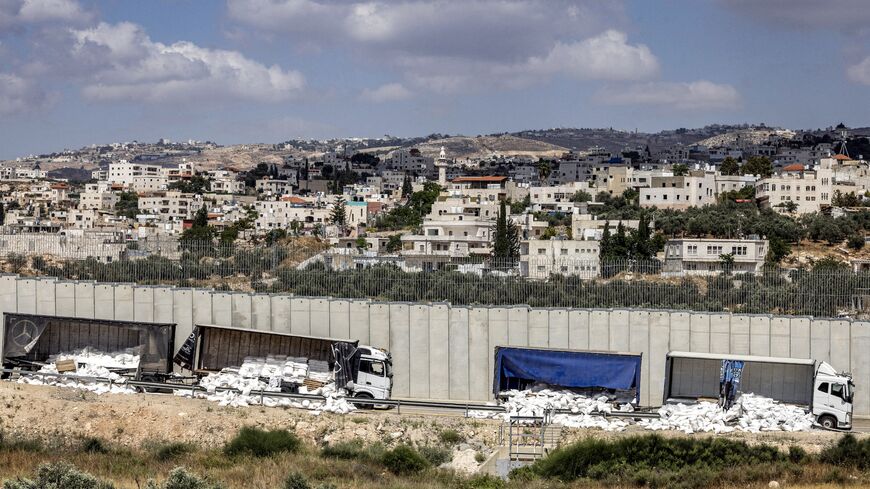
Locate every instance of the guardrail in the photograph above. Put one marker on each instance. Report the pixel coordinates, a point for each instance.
(397, 403)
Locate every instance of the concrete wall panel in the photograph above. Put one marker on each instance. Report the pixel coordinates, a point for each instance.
(820, 340)
(143, 304)
(222, 309)
(300, 316)
(780, 337)
(740, 335)
(681, 331)
(65, 299)
(104, 301)
(720, 333)
(203, 312)
(281, 311)
(400, 346)
(26, 290)
(339, 318)
(458, 358)
(261, 312)
(699, 337)
(379, 324)
(320, 317)
(182, 314)
(759, 335)
(439, 351)
(518, 326)
(46, 296)
(241, 310)
(841, 338)
(860, 366)
(639, 322)
(498, 336)
(559, 333)
(124, 303)
(799, 337)
(84, 300)
(359, 321)
(163, 305)
(599, 330)
(659, 337)
(619, 331)
(539, 328)
(479, 382)
(419, 350)
(578, 330)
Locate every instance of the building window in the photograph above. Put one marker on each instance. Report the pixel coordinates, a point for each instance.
(738, 250)
(714, 250)
(692, 250)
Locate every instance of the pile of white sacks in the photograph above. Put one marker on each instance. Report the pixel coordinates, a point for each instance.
(247, 378)
(750, 413)
(89, 363)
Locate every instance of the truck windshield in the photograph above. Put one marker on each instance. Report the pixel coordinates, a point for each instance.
(841, 391)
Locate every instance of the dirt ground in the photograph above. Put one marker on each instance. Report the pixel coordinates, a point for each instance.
(63, 416)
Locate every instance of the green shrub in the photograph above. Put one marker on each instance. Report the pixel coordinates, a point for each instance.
(848, 451)
(180, 478)
(450, 437)
(261, 443)
(346, 450)
(171, 451)
(94, 445)
(485, 481)
(435, 455)
(296, 481)
(404, 460)
(601, 459)
(479, 457)
(796, 454)
(58, 476)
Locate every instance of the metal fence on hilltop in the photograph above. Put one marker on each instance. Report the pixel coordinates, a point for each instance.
(825, 291)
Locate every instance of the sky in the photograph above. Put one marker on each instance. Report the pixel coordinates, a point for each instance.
(81, 72)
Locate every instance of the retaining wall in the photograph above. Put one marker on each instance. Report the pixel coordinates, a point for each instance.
(442, 351)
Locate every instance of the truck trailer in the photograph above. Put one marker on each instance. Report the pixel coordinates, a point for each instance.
(29, 340)
(364, 370)
(591, 372)
(803, 382)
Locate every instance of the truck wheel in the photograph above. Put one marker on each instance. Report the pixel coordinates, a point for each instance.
(828, 422)
(364, 395)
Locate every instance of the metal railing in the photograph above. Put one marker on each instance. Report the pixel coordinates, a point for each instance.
(560, 281)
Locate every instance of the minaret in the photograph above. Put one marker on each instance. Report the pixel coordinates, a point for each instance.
(441, 163)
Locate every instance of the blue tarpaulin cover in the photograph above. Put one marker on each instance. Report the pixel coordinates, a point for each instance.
(567, 368)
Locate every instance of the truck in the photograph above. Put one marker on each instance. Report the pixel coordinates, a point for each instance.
(363, 370)
(588, 372)
(29, 340)
(813, 384)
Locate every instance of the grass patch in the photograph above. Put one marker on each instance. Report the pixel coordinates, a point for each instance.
(94, 445)
(848, 452)
(261, 443)
(450, 437)
(404, 460)
(171, 451)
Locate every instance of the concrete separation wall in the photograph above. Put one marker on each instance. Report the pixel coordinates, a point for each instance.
(442, 351)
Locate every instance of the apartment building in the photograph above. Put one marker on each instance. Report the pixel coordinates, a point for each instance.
(410, 160)
(98, 196)
(588, 227)
(456, 227)
(539, 259)
(274, 188)
(282, 213)
(171, 206)
(558, 198)
(696, 189)
(225, 182)
(125, 173)
(809, 190)
(149, 183)
(731, 183)
(704, 256)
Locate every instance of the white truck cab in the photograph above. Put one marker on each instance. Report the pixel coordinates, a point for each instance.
(832, 397)
(375, 378)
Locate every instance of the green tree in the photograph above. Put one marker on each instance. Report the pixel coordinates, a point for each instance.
(199, 236)
(519, 207)
(338, 216)
(2, 214)
(680, 170)
(581, 196)
(295, 227)
(505, 238)
(544, 170)
(643, 248)
(604, 247)
(789, 206)
(729, 166)
(127, 205)
(726, 260)
(394, 243)
(407, 188)
(757, 165)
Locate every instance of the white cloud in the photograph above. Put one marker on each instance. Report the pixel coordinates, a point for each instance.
(391, 92)
(121, 62)
(860, 73)
(452, 46)
(697, 95)
(17, 13)
(19, 96)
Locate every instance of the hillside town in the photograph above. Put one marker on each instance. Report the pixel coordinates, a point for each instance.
(377, 202)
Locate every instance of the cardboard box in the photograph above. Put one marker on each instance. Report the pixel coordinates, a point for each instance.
(66, 366)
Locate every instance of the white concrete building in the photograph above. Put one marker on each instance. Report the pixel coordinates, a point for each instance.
(699, 256)
(539, 259)
(281, 214)
(696, 189)
(808, 190)
(171, 206)
(456, 227)
(98, 196)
